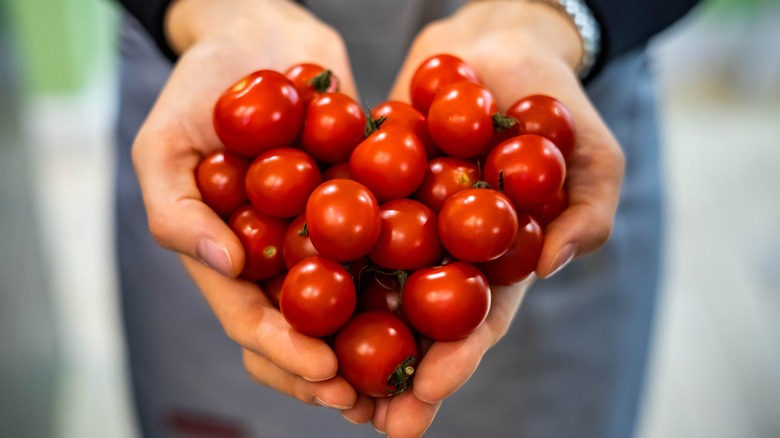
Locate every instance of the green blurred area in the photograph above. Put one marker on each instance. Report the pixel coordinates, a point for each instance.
(60, 44)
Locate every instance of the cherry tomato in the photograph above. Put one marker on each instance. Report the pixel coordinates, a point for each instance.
(272, 288)
(334, 126)
(445, 177)
(280, 181)
(409, 238)
(446, 303)
(390, 162)
(297, 245)
(533, 169)
(318, 296)
(397, 113)
(380, 292)
(260, 112)
(220, 178)
(311, 80)
(460, 120)
(477, 225)
(377, 354)
(545, 116)
(337, 171)
(522, 257)
(342, 218)
(435, 73)
(547, 212)
(261, 236)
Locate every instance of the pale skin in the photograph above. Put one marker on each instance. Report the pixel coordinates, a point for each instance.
(517, 48)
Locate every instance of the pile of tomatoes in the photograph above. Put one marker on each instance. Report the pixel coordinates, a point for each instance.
(375, 229)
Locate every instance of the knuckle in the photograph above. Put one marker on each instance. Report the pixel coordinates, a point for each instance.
(159, 227)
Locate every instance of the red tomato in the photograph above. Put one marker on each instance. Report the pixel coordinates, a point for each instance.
(397, 113)
(435, 73)
(377, 354)
(545, 116)
(409, 239)
(547, 212)
(390, 162)
(311, 80)
(380, 292)
(445, 177)
(477, 225)
(260, 112)
(446, 303)
(280, 181)
(220, 179)
(342, 218)
(522, 257)
(297, 245)
(261, 236)
(334, 126)
(533, 169)
(460, 120)
(272, 288)
(337, 171)
(318, 296)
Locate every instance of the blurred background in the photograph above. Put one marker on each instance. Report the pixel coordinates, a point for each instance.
(715, 368)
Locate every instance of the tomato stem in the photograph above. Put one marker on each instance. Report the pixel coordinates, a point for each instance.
(372, 124)
(503, 123)
(304, 232)
(322, 81)
(401, 378)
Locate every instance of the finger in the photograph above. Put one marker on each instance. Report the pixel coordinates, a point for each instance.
(448, 365)
(379, 420)
(594, 178)
(361, 412)
(409, 417)
(250, 320)
(334, 393)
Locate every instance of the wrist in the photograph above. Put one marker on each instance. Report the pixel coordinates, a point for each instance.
(541, 23)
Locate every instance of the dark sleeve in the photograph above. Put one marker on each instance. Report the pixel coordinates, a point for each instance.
(627, 24)
(151, 14)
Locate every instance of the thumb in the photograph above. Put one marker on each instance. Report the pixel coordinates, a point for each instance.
(178, 218)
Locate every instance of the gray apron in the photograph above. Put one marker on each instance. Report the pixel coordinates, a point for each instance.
(572, 364)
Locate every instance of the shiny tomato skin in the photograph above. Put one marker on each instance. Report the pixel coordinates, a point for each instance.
(446, 303)
(318, 296)
(409, 238)
(546, 116)
(220, 178)
(296, 246)
(397, 113)
(262, 237)
(280, 181)
(550, 210)
(260, 112)
(370, 348)
(333, 128)
(521, 258)
(302, 75)
(444, 177)
(533, 169)
(390, 162)
(477, 225)
(433, 74)
(460, 120)
(379, 292)
(343, 221)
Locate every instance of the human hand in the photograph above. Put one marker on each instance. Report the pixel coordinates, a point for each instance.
(219, 43)
(518, 49)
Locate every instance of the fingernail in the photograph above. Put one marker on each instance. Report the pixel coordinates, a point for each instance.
(330, 405)
(564, 256)
(344, 414)
(214, 255)
(381, 432)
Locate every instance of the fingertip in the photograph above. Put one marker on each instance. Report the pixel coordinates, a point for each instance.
(561, 258)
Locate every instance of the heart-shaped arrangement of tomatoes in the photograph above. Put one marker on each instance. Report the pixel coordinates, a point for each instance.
(375, 230)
